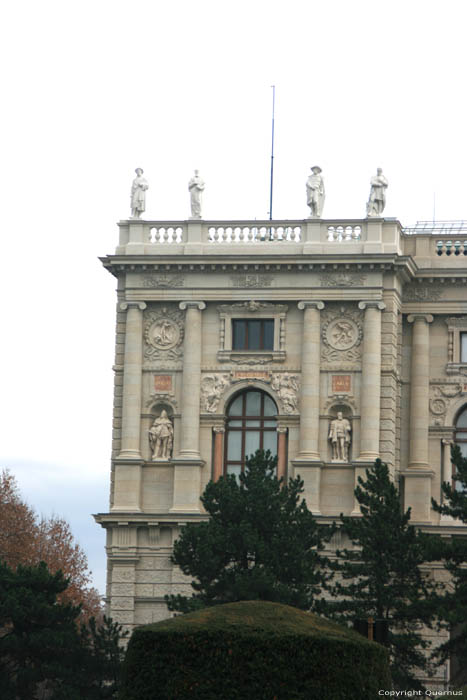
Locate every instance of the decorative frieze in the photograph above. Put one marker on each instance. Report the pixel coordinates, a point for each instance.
(163, 281)
(251, 281)
(342, 279)
(417, 291)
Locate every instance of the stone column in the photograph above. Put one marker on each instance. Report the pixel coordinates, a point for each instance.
(189, 443)
(419, 390)
(132, 378)
(282, 453)
(310, 379)
(370, 394)
(187, 464)
(218, 452)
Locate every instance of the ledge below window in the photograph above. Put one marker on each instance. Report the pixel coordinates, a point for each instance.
(251, 357)
(456, 368)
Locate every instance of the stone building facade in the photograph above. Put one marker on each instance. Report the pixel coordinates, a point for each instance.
(236, 335)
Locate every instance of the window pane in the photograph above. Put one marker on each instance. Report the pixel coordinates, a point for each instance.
(270, 441)
(463, 446)
(461, 435)
(236, 407)
(268, 335)
(251, 442)
(234, 445)
(252, 423)
(269, 423)
(463, 347)
(235, 423)
(462, 420)
(270, 408)
(238, 335)
(234, 469)
(253, 403)
(254, 335)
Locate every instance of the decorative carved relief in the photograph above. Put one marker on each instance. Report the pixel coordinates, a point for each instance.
(342, 333)
(251, 281)
(162, 398)
(440, 395)
(287, 387)
(212, 388)
(250, 359)
(342, 279)
(423, 292)
(252, 306)
(163, 333)
(164, 281)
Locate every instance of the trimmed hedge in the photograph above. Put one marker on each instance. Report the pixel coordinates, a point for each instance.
(252, 650)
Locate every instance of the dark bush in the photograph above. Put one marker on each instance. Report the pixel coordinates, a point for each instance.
(252, 650)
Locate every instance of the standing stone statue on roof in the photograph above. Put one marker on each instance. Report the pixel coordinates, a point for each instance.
(315, 193)
(196, 187)
(377, 200)
(138, 194)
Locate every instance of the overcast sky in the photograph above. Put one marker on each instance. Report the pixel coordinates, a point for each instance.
(91, 90)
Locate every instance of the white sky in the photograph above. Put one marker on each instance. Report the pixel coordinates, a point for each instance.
(92, 90)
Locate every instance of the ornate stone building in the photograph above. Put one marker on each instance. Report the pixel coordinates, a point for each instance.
(328, 342)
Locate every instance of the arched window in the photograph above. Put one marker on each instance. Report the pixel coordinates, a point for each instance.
(460, 435)
(251, 425)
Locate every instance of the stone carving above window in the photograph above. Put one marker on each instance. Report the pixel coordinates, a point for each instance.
(163, 334)
(440, 396)
(342, 333)
(212, 388)
(287, 387)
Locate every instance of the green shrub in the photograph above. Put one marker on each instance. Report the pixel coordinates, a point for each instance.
(252, 650)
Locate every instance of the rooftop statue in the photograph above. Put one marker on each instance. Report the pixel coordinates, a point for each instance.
(196, 187)
(377, 200)
(315, 192)
(138, 194)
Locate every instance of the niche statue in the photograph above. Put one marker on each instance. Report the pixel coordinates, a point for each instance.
(339, 435)
(161, 435)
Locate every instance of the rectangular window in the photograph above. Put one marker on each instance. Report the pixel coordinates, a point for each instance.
(463, 344)
(253, 334)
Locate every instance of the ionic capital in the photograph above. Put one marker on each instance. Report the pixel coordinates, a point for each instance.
(371, 305)
(310, 304)
(200, 305)
(132, 305)
(428, 318)
(281, 429)
(219, 429)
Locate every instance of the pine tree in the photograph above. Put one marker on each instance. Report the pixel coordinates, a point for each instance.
(260, 543)
(453, 604)
(381, 576)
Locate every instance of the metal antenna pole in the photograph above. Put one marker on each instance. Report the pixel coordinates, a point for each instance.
(272, 152)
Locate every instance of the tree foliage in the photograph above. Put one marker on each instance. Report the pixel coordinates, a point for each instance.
(27, 539)
(44, 652)
(381, 576)
(260, 543)
(453, 603)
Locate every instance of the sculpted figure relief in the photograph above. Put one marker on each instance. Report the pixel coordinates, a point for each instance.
(377, 200)
(315, 192)
(196, 187)
(287, 387)
(339, 435)
(161, 437)
(138, 194)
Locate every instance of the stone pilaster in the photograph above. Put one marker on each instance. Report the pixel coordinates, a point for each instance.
(187, 464)
(419, 390)
(132, 380)
(310, 380)
(371, 381)
(127, 483)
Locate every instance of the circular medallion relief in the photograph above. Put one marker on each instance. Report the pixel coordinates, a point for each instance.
(342, 333)
(164, 334)
(437, 406)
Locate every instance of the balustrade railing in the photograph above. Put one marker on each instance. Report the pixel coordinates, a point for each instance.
(254, 234)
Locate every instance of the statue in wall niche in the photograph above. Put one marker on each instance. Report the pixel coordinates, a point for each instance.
(315, 192)
(138, 194)
(196, 187)
(377, 200)
(161, 437)
(339, 435)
